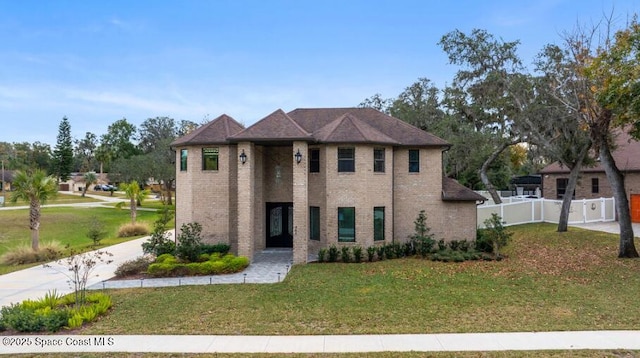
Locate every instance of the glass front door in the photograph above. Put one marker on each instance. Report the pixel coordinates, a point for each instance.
(279, 225)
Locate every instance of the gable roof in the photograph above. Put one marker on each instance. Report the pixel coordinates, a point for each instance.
(324, 125)
(402, 133)
(454, 191)
(350, 129)
(626, 154)
(215, 132)
(275, 127)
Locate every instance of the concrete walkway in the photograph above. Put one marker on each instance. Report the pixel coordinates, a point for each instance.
(450, 342)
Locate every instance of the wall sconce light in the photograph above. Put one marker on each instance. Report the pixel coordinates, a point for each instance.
(298, 156)
(243, 157)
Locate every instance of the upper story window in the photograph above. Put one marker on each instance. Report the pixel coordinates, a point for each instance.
(210, 158)
(314, 160)
(378, 160)
(595, 185)
(346, 160)
(183, 160)
(414, 161)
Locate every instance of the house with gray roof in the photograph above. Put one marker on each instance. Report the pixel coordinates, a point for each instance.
(312, 178)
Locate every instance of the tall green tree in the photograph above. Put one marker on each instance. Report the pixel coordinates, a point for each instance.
(63, 152)
(35, 188)
(85, 152)
(118, 142)
(611, 103)
(156, 135)
(482, 92)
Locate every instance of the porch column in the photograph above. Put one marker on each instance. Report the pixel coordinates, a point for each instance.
(300, 203)
(246, 199)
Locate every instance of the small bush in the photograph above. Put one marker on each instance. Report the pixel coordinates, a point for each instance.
(389, 252)
(24, 254)
(159, 242)
(454, 245)
(380, 252)
(133, 267)
(216, 264)
(322, 255)
(96, 231)
(357, 253)
(345, 254)
(398, 250)
(129, 230)
(483, 242)
(166, 258)
(333, 253)
(442, 245)
(222, 248)
(189, 242)
(371, 252)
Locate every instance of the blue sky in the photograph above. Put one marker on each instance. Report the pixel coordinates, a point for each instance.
(99, 61)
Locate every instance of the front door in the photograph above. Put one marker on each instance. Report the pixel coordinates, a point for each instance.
(279, 224)
(635, 208)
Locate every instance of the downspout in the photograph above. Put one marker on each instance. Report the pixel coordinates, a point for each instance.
(393, 195)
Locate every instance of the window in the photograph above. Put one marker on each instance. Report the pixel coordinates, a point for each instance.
(346, 224)
(378, 160)
(210, 158)
(378, 223)
(314, 223)
(314, 160)
(595, 185)
(346, 160)
(561, 188)
(183, 160)
(414, 161)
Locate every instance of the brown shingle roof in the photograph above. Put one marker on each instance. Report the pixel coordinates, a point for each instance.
(350, 129)
(215, 132)
(274, 127)
(626, 155)
(313, 119)
(454, 191)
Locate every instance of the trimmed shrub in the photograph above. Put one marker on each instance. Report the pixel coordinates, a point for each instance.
(371, 252)
(222, 248)
(166, 258)
(345, 254)
(24, 254)
(380, 252)
(333, 253)
(322, 255)
(159, 242)
(216, 264)
(357, 253)
(133, 267)
(129, 230)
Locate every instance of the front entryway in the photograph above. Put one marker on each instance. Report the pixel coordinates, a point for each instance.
(279, 225)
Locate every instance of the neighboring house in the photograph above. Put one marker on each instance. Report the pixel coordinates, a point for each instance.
(76, 182)
(593, 182)
(312, 178)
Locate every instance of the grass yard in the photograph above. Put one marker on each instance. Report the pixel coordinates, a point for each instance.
(67, 225)
(59, 199)
(551, 281)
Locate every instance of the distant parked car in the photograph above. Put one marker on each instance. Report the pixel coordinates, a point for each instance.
(103, 187)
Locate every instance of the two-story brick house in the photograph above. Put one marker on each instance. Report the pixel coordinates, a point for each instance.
(311, 178)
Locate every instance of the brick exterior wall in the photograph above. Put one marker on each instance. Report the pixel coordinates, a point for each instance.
(583, 188)
(231, 203)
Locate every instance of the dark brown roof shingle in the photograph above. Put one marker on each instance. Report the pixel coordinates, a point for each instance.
(350, 129)
(274, 127)
(215, 132)
(454, 191)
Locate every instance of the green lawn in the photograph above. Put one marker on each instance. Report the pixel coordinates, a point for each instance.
(67, 225)
(59, 199)
(550, 281)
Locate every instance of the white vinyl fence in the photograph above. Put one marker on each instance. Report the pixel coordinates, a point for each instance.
(524, 211)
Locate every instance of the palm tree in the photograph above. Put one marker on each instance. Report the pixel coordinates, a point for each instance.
(89, 178)
(36, 188)
(135, 194)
